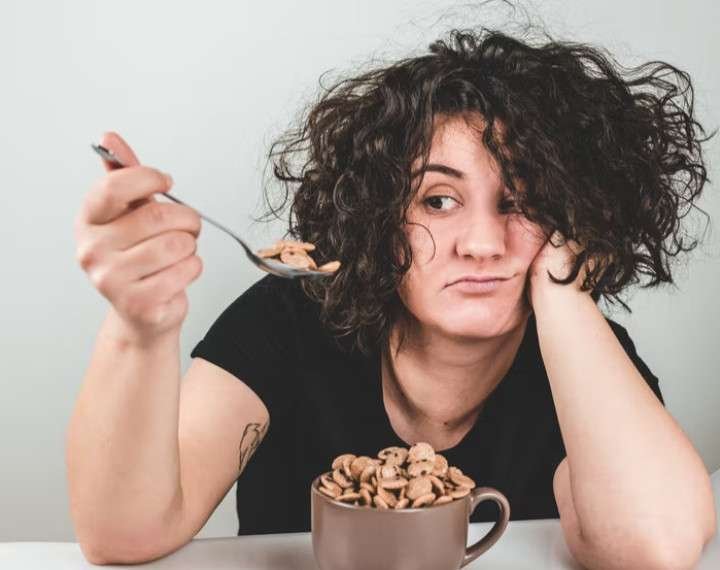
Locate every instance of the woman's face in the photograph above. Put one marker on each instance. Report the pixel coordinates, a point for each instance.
(460, 201)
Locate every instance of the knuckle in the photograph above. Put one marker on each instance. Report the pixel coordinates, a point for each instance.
(104, 198)
(144, 308)
(196, 223)
(160, 178)
(155, 315)
(196, 267)
(102, 279)
(135, 307)
(180, 243)
(198, 264)
(155, 214)
(85, 257)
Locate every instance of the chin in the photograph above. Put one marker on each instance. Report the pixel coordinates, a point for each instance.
(480, 323)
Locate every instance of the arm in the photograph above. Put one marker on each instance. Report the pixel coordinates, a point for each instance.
(148, 457)
(632, 491)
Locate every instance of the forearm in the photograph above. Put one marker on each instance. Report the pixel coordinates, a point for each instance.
(633, 472)
(122, 444)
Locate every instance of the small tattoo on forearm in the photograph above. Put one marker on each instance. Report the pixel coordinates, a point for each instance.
(251, 438)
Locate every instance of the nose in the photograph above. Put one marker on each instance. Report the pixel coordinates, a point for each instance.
(482, 237)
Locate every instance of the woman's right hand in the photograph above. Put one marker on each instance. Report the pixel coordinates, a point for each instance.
(138, 252)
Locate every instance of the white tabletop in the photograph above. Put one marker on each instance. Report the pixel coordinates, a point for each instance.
(531, 545)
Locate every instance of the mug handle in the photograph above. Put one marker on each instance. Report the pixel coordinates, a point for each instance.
(477, 496)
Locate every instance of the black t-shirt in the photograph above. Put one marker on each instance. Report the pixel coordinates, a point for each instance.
(324, 402)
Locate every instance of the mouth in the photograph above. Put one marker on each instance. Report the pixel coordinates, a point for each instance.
(478, 284)
(478, 279)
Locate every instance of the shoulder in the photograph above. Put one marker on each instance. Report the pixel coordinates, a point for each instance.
(271, 301)
(271, 315)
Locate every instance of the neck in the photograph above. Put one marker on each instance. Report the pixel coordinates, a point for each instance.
(437, 385)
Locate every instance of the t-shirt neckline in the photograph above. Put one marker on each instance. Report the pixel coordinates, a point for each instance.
(484, 416)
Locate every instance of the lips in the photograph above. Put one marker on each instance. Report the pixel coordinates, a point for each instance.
(478, 279)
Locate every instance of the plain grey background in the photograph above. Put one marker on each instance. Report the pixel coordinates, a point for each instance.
(201, 90)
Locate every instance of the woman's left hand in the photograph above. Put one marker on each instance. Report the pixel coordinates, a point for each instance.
(558, 261)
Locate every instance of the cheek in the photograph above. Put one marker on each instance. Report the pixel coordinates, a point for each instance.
(527, 240)
(423, 243)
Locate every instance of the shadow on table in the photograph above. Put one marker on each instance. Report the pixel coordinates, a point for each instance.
(258, 551)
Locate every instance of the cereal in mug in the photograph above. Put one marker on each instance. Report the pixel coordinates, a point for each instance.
(398, 478)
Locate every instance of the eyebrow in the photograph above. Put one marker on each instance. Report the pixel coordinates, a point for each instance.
(441, 168)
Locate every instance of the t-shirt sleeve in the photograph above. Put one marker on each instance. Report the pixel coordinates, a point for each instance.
(254, 340)
(629, 346)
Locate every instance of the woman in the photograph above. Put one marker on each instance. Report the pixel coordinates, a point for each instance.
(540, 169)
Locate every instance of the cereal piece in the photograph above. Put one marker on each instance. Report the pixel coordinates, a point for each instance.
(441, 466)
(326, 479)
(340, 460)
(460, 492)
(379, 503)
(367, 497)
(269, 251)
(332, 493)
(341, 480)
(387, 496)
(389, 472)
(296, 245)
(421, 468)
(402, 503)
(421, 452)
(438, 484)
(296, 259)
(460, 479)
(419, 487)
(397, 483)
(358, 465)
(329, 267)
(393, 455)
(443, 499)
(423, 500)
(368, 472)
(349, 497)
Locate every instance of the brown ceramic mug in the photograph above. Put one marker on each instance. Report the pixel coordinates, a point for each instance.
(349, 537)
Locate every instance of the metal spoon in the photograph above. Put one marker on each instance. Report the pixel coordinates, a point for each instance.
(269, 265)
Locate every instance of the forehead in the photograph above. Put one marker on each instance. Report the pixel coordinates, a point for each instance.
(457, 143)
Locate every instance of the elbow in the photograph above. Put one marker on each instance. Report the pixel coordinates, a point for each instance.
(675, 548)
(128, 550)
(130, 543)
(672, 554)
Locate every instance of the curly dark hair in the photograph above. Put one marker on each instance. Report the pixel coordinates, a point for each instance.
(609, 156)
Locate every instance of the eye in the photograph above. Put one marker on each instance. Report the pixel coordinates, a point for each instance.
(436, 202)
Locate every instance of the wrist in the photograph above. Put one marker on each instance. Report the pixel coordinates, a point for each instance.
(550, 296)
(125, 337)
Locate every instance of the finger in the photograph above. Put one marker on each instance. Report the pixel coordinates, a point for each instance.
(145, 223)
(154, 255)
(113, 195)
(125, 154)
(117, 145)
(162, 286)
(135, 227)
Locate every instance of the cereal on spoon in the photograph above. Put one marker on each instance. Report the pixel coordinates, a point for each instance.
(295, 254)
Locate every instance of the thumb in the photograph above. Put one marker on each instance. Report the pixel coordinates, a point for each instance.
(117, 145)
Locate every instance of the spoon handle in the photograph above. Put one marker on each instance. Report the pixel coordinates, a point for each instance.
(115, 161)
